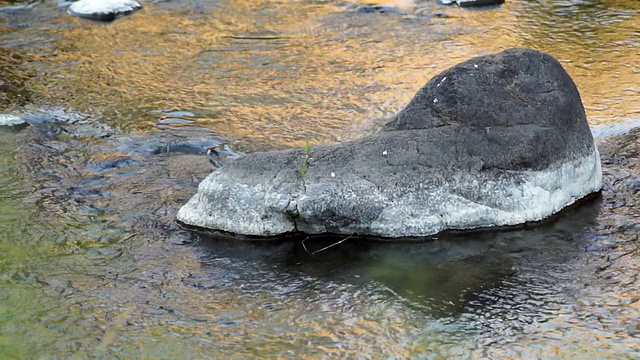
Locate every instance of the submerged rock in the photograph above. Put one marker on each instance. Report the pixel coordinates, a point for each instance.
(50, 122)
(381, 9)
(17, 8)
(497, 140)
(103, 10)
(473, 3)
(220, 155)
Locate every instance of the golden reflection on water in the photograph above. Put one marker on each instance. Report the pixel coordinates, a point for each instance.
(280, 74)
(12, 78)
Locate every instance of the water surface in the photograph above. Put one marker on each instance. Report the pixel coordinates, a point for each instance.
(92, 264)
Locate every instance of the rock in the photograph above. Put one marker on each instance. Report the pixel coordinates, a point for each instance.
(17, 8)
(165, 143)
(178, 113)
(51, 122)
(497, 140)
(621, 126)
(11, 120)
(381, 9)
(221, 155)
(472, 3)
(54, 115)
(103, 10)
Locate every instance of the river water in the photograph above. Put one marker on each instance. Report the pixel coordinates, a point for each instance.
(93, 265)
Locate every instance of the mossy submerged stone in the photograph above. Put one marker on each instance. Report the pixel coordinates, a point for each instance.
(497, 140)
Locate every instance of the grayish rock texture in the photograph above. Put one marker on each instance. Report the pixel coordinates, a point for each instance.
(497, 140)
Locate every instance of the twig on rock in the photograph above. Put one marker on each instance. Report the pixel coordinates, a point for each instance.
(625, 254)
(610, 261)
(304, 247)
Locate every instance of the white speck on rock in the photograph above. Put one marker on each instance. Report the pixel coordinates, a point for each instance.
(333, 174)
(435, 101)
(475, 65)
(441, 81)
(384, 153)
(10, 120)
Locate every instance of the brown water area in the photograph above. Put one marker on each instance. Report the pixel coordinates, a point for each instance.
(93, 265)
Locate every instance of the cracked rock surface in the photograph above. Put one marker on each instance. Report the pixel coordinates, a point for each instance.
(497, 140)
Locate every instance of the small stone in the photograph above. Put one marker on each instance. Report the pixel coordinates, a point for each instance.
(181, 113)
(171, 120)
(333, 174)
(377, 9)
(384, 153)
(103, 10)
(180, 239)
(470, 3)
(10, 120)
(17, 8)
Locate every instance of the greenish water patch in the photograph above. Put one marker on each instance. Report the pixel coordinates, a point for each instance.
(40, 311)
(19, 258)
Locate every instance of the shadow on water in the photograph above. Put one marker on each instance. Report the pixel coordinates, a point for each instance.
(439, 276)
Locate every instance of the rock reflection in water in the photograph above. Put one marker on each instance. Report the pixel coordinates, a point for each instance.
(442, 276)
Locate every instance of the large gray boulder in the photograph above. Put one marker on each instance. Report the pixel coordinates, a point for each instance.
(497, 140)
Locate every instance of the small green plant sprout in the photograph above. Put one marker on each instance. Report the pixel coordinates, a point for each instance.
(306, 148)
(302, 169)
(304, 166)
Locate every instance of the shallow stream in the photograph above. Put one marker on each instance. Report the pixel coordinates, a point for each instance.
(93, 265)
